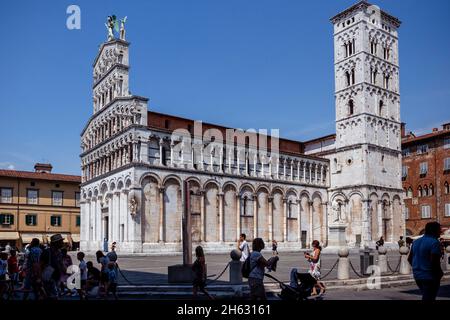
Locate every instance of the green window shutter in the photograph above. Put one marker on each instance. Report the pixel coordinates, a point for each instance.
(2, 218)
(12, 219)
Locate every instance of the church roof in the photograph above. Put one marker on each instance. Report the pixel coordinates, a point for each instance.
(39, 176)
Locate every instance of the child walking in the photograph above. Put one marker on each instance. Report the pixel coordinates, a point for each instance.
(83, 275)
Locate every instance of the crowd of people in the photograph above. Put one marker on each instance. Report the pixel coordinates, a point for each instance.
(44, 271)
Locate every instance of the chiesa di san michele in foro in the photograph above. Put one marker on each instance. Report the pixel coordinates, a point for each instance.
(342, 189)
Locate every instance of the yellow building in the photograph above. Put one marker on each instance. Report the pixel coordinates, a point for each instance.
(37, 205)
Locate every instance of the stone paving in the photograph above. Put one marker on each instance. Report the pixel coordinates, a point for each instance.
(145, 270)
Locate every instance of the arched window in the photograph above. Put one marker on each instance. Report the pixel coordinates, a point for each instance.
(380, 108)
(353, 76)
(420, 191)
(348, 78)
(431, 190)
(446, 188)
(409, 193)
(351, 107)
(425, 191)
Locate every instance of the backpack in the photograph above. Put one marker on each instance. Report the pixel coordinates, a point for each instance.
(246, 267)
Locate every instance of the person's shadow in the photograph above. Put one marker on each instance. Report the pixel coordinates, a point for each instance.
(444, 291)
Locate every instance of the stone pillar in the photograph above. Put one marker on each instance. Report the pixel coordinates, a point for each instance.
(284, 169)
(311, 223)
(382, 259)
(270, 167)
(229, 160)
(366, 219)
(343, 271)
(202, 215)
(235, 267)
(304, 172)
(285, 219)
(238, 169)
(255, 216)
(238, 216)
(117, 217)
(221, 229)
(172, 144)
(270, 222)
(111, 217)
(278, 168)
(292, 170)
(161, 141)
(310, 173)
(405, 267)
(298, 170)
(380, 219)
(255, 162)
(299, 221)
(161, 215)
(221, 160)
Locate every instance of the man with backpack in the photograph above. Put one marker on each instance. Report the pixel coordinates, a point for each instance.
(243, 247)
(253, 269)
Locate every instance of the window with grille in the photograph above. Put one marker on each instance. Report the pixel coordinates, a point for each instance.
(32, 196)
(57, 198)
(423, 168)
(78, 221)
(426, 212)
(446, 164)
(404, 171)
(55, 221)
(30, 219)
(6, 195)
(422, 149)
(77, 199)
(447, 210)
(6, 219)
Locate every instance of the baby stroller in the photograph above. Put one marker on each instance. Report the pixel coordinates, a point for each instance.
(299, 289)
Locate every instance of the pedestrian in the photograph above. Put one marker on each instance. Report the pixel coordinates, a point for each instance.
(13, 267)
(3, 273)
(274, 247)
(8, 248)
(104, 261)
(53, 266)
(67, 262)
(199, 270)
(425, 259)
(314, 267)
(83, 275)
(32, 266)
(243, 247)
(257, 266)
(379, 243)
(93, 277)
(401, 242)
(112, 280)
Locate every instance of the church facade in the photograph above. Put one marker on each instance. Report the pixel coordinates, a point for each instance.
(136, 164)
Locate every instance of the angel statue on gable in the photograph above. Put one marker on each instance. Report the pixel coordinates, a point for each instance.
(112, 25)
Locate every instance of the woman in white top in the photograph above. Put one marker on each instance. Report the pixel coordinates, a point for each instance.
(314, 266)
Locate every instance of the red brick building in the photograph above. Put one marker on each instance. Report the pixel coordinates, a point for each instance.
(426, 178)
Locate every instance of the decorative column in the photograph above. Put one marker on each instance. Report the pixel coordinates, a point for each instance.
(172, 144)
(299, 221)
(238, 169)
(366, 221)
(298, 170)
(285, 219)
(311, 223)
(221, 160)
(221, 230)
(270, 222)
(255, 216)
(202, 160)
(202, 215)
(278, 168)
(270, 167)
(304, 171)
(380, 219)
(238, 215)
(211, 158)
(161, 215)
(229, 160)
(284, 168)
(310, 173)
(161, 141)
(255, 162)
(262, 168)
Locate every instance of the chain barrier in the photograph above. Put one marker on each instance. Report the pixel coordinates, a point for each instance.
(397, 269)
(123, 276)
(332, 268)
(356, 272)
(223, 271)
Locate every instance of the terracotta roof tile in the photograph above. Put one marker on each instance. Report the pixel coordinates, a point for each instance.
(39, 176)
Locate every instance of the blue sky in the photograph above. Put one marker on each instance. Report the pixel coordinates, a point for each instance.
(248, 64)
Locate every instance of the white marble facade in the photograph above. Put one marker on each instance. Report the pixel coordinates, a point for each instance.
(133, 174)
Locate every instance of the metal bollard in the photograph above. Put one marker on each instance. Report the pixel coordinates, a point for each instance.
(382, 259)
(235, 267)
(343, 272)
(405, 267)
